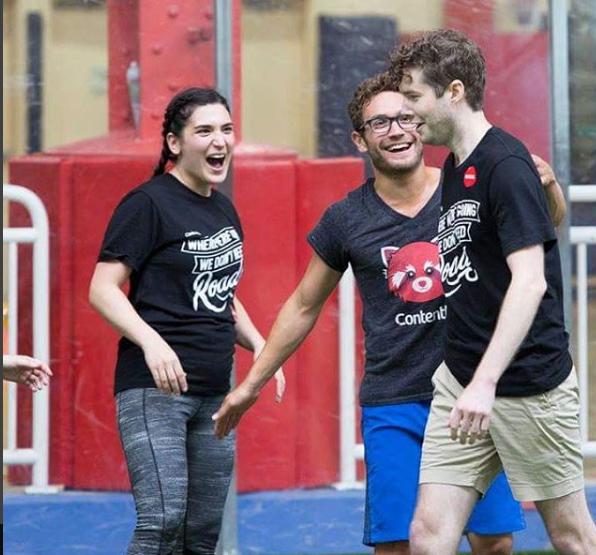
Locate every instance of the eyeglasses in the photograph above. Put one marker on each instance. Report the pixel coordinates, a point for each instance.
(381, 125)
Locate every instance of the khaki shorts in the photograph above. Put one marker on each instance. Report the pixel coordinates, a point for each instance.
(535, 439)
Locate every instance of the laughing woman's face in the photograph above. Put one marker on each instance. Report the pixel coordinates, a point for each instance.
(204, 150)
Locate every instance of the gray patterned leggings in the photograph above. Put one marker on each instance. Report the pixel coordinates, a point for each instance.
(179, 471)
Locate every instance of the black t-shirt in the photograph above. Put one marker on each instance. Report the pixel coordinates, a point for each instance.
(185, 252)
(397, 271)
(493, 205)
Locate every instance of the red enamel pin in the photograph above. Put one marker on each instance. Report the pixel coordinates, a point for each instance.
(470, 177)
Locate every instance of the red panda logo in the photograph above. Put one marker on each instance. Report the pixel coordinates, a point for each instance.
(413, 271)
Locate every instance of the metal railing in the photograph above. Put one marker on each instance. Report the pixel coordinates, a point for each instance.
(351, 451)
(38, 454)
(581, 237)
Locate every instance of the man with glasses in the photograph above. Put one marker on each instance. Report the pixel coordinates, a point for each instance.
(386, 230)
(507, 389)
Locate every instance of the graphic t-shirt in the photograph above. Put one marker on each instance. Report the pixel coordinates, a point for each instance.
(493, 205)
(396, 266)
(185, 252)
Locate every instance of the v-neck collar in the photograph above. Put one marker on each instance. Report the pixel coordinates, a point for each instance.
(395, 214)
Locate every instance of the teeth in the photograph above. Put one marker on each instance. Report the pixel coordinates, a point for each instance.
(398, 148)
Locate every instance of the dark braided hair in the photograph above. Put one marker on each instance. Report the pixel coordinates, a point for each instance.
(176, 115)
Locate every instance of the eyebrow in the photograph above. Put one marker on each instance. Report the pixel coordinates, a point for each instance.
(211, 125)
(384, 116)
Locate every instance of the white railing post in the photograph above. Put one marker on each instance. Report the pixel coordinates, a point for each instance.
(581, 237)
(38, 235)
(347, 383)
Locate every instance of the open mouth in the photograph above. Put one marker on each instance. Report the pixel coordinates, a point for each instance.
(403, 147)
(216, 161)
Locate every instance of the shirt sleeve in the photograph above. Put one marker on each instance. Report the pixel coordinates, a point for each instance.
(328, 241)
(519, 206)
(132, 233)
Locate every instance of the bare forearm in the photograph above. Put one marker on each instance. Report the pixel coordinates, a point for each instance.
(557, 206)
(291, 327)
(111, 302)
(555, 198)
(247, 335)
(515, 319)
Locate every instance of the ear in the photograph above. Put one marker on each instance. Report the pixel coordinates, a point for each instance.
(387, 253)
(173, 143)
(456, 90)
(359, 141)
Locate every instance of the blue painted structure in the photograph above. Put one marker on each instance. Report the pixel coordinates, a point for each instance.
(321, 521)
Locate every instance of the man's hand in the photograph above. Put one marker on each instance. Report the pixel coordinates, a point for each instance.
(470, 418)
(235, 404)
(547, 176)
(27, 371)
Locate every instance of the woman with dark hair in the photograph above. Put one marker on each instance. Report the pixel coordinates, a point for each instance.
(179, 243)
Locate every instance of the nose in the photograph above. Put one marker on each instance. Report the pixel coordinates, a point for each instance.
(219, 139)
(395, 129)
(422, 284)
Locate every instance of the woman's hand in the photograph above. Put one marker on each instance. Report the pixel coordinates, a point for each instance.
(280, 378)
(280, 385)
(165, 367)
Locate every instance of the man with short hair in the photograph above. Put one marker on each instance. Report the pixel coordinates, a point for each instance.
(507, 389)
(386, 231)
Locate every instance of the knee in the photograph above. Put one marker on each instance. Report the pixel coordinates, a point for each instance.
(491, 545)
(422, 536)
(167, 529)
(567, 543)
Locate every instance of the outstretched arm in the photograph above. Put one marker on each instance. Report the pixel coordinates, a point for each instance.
(248, 336)
(25, 370)
(295, 320)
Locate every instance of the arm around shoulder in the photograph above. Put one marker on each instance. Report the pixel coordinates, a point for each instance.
(555, 198)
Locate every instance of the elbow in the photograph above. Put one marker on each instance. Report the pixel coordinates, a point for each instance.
(94, 296)
(531, 286)
(537, 287)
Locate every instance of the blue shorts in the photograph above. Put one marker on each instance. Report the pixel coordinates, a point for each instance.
(393, 437)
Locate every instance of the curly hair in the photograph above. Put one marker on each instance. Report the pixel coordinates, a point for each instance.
(179, 109)
(444, 56)
(365, 92)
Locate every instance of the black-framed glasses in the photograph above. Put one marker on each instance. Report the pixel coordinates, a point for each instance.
(380, 125)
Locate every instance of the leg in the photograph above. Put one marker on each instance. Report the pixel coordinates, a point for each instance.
(543, 461)
(210, 463)
(392, 436)
(452, 476)
(493, 519)
(569, 524)
(491, 545)
(392, 548)
(153, 433)
(440, 517)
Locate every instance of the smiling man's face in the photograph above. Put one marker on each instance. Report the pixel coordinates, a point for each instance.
(397, 151)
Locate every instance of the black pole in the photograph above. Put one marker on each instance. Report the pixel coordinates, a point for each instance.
(34, 81)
